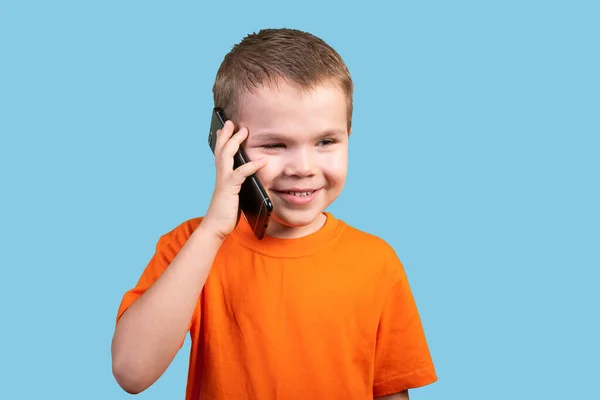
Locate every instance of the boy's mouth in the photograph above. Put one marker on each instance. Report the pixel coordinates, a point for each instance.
(301, 194)
(298, 196)
(297, 191)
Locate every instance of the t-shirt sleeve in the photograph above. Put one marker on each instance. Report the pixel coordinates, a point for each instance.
(166, 249)
(402, 357)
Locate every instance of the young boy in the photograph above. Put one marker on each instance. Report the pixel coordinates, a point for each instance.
(315, 310)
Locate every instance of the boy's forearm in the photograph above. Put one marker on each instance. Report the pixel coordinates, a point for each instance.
(149, 334)
(396, 396)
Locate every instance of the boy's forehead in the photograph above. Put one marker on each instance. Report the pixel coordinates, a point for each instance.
(284, 102)
(268, 92)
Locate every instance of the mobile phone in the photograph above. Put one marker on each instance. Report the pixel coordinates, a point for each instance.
(255, 203)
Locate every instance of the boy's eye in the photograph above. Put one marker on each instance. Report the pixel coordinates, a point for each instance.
(273, 146)
(326, 142)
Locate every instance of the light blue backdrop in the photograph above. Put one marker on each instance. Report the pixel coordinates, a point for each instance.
(475, 154)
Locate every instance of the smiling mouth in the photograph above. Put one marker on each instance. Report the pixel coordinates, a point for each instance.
(301, 194)
(297, 193)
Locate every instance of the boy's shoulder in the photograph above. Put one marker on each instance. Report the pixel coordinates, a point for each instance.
(374, 252)
(363, 241)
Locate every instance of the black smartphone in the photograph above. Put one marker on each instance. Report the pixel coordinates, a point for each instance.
(255, 203)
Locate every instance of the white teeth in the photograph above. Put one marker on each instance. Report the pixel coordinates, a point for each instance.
(300, 194)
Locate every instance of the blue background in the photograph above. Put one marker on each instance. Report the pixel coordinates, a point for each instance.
(475, 153)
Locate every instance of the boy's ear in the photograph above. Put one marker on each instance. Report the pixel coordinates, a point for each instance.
(350, 132)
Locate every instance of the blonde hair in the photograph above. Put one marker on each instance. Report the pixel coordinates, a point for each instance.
(270, 55)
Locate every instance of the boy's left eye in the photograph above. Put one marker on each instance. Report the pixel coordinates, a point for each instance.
(326, 142)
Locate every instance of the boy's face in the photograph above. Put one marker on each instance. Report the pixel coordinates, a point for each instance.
(304, 137)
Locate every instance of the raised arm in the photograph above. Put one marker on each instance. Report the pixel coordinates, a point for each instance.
(151, 331)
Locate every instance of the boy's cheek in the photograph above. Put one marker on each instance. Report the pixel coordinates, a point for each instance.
(269, 171)
(254, 153)
(334, 162)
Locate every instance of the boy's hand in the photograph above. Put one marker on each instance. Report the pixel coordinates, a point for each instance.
(222, 215)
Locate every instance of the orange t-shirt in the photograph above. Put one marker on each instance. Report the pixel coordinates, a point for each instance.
(325, 316)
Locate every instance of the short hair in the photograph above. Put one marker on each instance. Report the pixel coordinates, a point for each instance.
(263, 58)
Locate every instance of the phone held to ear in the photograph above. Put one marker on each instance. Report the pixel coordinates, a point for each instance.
(255, 204)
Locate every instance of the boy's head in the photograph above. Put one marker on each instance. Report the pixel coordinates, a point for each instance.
(293, 93)
(275, 55)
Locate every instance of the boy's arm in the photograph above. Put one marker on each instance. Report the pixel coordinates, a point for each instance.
(396, 396)
(402, 357)
(149, 334)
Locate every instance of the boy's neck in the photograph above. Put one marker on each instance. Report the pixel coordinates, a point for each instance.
(282, 231)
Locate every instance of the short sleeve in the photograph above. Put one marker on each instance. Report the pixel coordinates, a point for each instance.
(402, 357)
(166, 249)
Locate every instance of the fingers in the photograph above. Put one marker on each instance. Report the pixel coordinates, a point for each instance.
(228, 143)
(233, 144)
(223, 135)
(244, 171)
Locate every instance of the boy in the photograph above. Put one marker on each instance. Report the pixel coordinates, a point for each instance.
(315, 310)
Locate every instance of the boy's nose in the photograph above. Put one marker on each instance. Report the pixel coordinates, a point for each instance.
(300, 163)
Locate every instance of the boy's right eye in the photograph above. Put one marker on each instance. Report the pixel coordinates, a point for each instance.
(273, 146)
